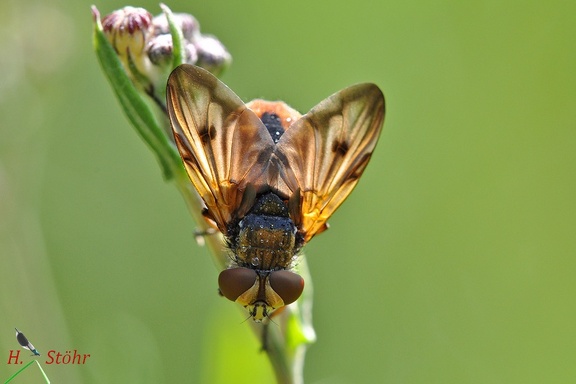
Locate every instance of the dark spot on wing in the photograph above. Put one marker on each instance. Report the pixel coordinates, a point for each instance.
(208, 134)
(341, 147)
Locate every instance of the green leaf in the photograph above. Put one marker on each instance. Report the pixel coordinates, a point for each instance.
(137, 110)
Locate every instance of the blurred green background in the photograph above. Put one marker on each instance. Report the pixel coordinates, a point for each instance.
(452, 262)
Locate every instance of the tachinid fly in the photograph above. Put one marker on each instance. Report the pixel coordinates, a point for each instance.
(269, 177)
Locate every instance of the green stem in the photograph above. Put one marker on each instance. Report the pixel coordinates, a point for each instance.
(43, 373)
(20, 370)
(291, 331)
(26, 366)
(214, 242)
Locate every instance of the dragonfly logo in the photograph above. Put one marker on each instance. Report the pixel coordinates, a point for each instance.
(23, 341)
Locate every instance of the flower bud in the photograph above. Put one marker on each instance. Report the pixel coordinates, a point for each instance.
(191, 54)
(187, 23)
(160, 50)
(212, 55)
(127, 29)
(145, 47)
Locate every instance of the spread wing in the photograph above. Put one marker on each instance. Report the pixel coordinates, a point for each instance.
(326, 151)
(223, 144)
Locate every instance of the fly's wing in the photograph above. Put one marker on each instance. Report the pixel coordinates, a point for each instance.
(223, 144)
(326, 151)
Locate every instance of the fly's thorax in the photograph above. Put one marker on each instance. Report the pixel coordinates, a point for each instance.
(266, 238)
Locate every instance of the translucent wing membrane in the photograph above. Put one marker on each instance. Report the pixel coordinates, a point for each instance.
(223, 144)
(230, 155)
(327, 149)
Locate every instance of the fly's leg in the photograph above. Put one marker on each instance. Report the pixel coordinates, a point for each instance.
(200, 234)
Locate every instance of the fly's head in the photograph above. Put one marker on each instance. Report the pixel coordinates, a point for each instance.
(260, 292)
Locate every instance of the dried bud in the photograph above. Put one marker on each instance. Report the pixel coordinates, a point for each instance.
(212, 55)
(160, 50)
(187, 23)
(191, 54)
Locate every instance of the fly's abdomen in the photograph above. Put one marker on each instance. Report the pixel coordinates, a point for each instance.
(266, 242)
(267, 237)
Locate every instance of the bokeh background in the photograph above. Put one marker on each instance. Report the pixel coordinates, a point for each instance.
(452, 262)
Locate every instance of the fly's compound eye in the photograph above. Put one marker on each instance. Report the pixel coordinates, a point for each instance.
(287, 285)
(234, 282)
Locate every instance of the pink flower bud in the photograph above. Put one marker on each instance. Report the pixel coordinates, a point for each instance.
(128, 29)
